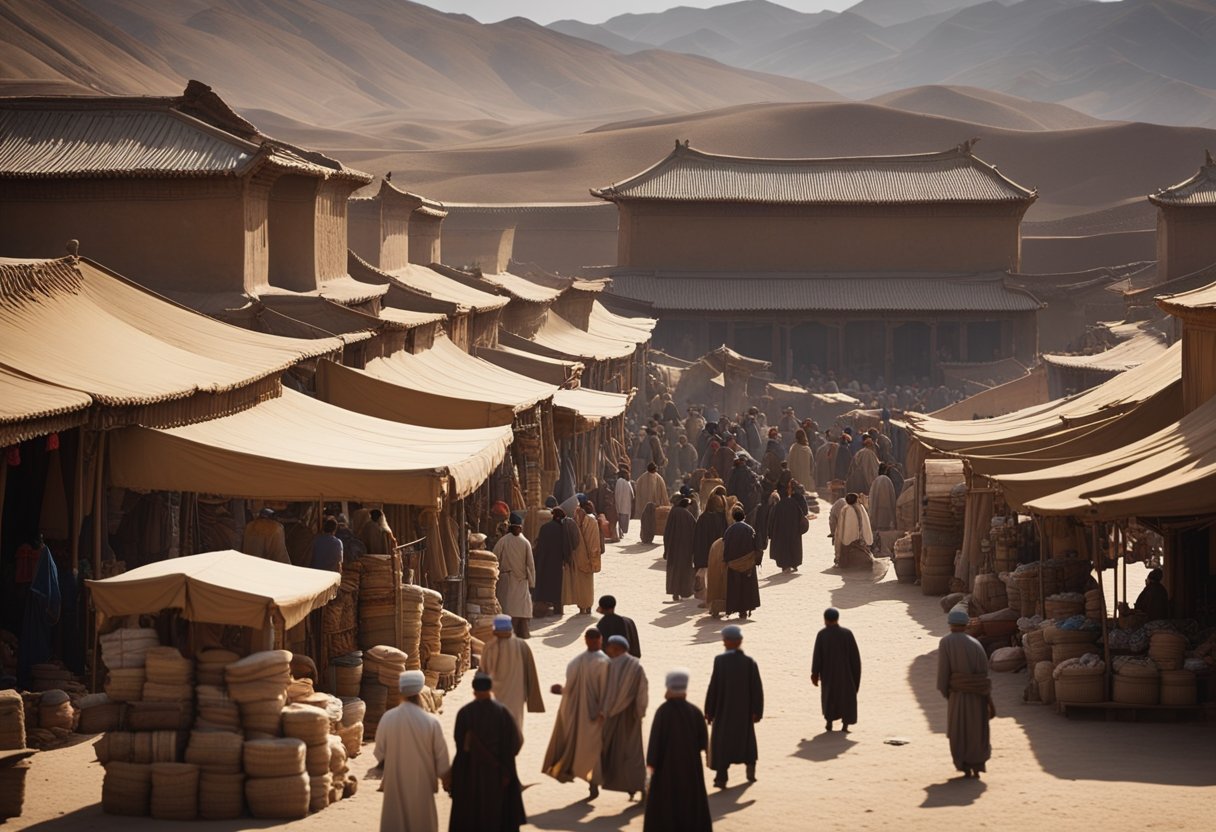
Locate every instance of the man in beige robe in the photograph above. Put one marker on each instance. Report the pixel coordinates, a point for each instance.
(650, 488)
(411, 749)
(962, 678)
(516, 575)
(508, 661)
(863, 469)
(376, 534)
(715, 580)
(265, 538)
(853, 535)
(625, 701)
(578, 574)
(577, 741)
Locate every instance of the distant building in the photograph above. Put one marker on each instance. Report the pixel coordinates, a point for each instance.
(1186, 224)
(870, 266)
(560, 237)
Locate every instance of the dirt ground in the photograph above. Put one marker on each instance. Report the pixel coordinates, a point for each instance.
(1045, 769)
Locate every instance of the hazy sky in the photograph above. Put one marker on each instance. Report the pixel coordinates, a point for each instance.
(595, 11)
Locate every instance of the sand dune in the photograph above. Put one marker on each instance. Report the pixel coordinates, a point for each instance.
(986, 107)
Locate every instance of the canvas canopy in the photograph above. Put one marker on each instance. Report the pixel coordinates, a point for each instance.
(522, 288)
(439, 387)
(592, 404)
(1122, 393)
(297, 448)
(1169, 473)
(71, 323)
(604, 322)
(30, 408)
(430, 282)
(228, 588)
(541, 367)
(1141, 347)
(562, 338)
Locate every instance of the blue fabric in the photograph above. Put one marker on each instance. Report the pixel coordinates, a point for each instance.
(41, 615)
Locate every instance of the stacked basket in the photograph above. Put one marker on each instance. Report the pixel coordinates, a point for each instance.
(1077, 681)
(258, 684)
(351, 728)
(169, 676)
(455, 640)
(1136, 681)
(347, 673)
(431, 641)
(310, 725)
(942, 529)
(1094, 610)
(482, 585)
(412, 602)
(377, 601)
(210, 665)
(221, 782)
(1179, 688)
(174, 791)
(1167, 649)
(1068, 644)
(276, 785)
(126, 788)
(216, 710)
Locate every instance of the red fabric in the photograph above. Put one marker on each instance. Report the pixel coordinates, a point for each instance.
(52, 442)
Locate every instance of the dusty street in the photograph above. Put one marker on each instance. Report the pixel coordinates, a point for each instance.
(1045, 770)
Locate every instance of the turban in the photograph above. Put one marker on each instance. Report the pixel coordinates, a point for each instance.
(500, 509)
(677, 680)
(502, 623)
(958, 617)
(732, 632)
(550, 502)
(619, 641)
(411, 682)
(517, 519)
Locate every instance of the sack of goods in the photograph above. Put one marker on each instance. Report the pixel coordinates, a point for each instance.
(989, 592)
(160, 716)
(167, 666)
(216, 711)
(277, 786)
(55, 711)
(432, 613)
(388, 662)
(1007, 660)
(12, 720)
(174, 791)
(1064, 605)
(1136, 681)
(413, 600)
(142, 747)
(347, 671)
(263, 718)
(319, 787)
(210, 665)
(217, 752)
(126, 648)
(221, 796)
(306, 723)
(125, 684)
(98, 713)
(259, 677)
(126, 789)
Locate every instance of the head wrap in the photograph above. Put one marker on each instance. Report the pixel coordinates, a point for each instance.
(502, 623)
(517, 519)
(500, 509)
(581, 497)
(550, 502)
(686, 490)
(607, 602)
(677, 680)
(732, 632)
(831, 614)
(482, 682)
(958, 618)
(411, 682)
(619, 641)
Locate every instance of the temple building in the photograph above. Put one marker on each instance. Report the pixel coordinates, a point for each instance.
(1186, 224)
(870, 266)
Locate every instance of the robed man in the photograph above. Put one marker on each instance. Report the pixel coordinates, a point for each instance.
(744, 485)
(625, 701)
(650, 488)
(787, 523)
(711, 524)
(578, 573)
(508, 660)
(611, 624)
(734, 704)
(577, 740)
(844, 458)
(882, 501)
(676, 801)
(836, 671)
(552, 550)
(516, 575)
(741, 556)
(678, 537)
(853, 535)
(962, 677)
(486, 793)
(414, 756)
(825, 464)
(863, 469)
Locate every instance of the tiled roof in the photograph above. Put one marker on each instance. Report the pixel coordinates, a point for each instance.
(731, 292)
(692, 175)
(1198, 191)
(192, 135)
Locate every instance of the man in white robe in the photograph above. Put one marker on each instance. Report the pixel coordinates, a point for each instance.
(508, 661)
(577, 741)
(854, 535)
(516, 575)
(623, 497)
(411, 749)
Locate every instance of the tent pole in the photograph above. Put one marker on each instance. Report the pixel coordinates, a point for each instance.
(1106, 678)
(98, 502)
(77, 500)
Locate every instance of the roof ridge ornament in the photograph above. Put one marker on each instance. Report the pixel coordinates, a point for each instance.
(1208, 161)
(966, 147)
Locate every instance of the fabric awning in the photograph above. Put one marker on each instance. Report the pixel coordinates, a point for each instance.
(522, 288)
(592, 404)
(606, 323)
(30, 408)
(1122, 393)
(563, 338)
(297, 448)
(228, 588)
(71, 323)
(428, 281)
(439, 387)
(1141, 347)
(541, 367)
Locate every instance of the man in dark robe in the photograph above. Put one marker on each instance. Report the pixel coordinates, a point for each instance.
(611, 624)
(962, 678)
(837, 664)
(734, 704)
(550, 552)
(723, 460)
(785, 528)
(42, 609)
(676, 801)
(742, 585)
(710, 526)
(678, 537)
(751, 433)
(1153, 601)
(744, 485)
(769, 497)
(486, 793)
(844, 459)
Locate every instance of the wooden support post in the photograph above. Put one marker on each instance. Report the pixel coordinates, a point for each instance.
(98, 502)
(77, 501)
(1105, 634)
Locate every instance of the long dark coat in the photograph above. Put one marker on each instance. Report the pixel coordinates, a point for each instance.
(551, 550)
(486, 794)
(763, 515)
(710, 526)
(838, 663)
(785, 531)
(678, 537)
(744, 485)
(742, 588)
(612, 624)
(677, 801)
(734, 701)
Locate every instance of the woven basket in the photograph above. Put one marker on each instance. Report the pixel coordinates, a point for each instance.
(167, 666)
(1062, 609)
(125, 684)
(305, 722)
(266, 664)
(319, 788)
(352, 738)
(316, 759)
(263, 717)
(160, 716)
(174, 791)
(221, 796)
(12, 789)
(1136, 690)
(278, 798)
(217, 752)
(1080, 685)
(1178, 687)
(1046, 683)
(348, 679)
(441, 663)
(126, 789)
(100, 718)
(1054, 635)
(159, 692)
(1036, 648)
(1060, 652)
(274, 759)
(1167, 649)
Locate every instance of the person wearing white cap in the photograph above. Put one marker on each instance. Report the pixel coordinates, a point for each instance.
(676, 799)
(411, 750)
(962, 677)
(508, 661)
(734, 704)
(516, 574)
(577, 740)
(625, 701)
